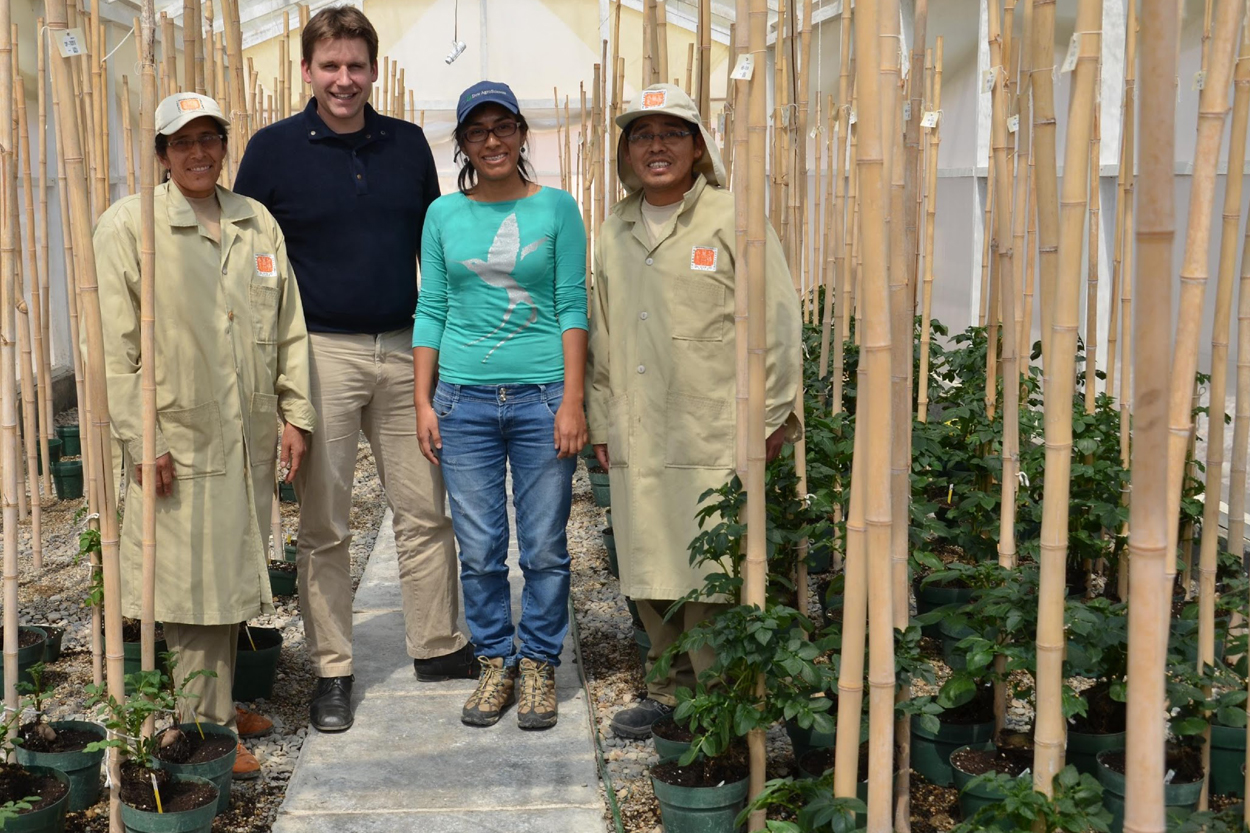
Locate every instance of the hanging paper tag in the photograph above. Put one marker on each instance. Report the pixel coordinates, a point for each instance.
(785, 116)
(72, 43)
(1200, 79)
(1074, 49)
(930, 119)
(720, 123)
(853, 118)
(814, 132)
(987, 81)
(1013, 124)
(906, 111)
(744, 68)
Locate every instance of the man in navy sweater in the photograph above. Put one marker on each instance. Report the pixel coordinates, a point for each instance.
(350, 189)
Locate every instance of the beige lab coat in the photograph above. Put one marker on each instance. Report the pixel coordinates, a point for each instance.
(662, 380)
(231, 355)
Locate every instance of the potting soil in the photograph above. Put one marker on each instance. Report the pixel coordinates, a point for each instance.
(669, 730)
(981, 761)
(67, 740)
(705, 772)
(131, 632)
(193, 749)
(1185, 761)
(17, 784)
(24, 638)
(176, 797)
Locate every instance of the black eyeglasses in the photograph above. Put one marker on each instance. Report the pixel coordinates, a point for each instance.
(668, 137)
(477, 134)
(206, 141)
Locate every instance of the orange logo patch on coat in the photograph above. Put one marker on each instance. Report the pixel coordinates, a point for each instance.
(703, 258)
(190, 104)
(654, 98)
(266, 267)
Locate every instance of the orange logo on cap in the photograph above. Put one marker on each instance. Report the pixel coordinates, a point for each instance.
(703, 259)
(264, 264)
(655, 98)
(190, 104)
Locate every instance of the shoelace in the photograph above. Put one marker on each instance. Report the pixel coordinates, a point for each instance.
(530, 685)
(492, 681)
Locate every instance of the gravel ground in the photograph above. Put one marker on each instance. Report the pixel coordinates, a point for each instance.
(54, 595)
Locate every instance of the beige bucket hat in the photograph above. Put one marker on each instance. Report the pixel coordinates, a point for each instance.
(179, 109)
(669, 100)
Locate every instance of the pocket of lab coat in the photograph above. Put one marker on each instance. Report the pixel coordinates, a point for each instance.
(618, 431)
(262, 434)
(698, 310)
(699, 433)
(264, 300)
(195, 440)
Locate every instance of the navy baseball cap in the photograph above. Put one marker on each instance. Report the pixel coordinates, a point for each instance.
(486, 92)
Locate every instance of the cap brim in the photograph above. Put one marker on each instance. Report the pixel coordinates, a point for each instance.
(507, 105)
(186, 118)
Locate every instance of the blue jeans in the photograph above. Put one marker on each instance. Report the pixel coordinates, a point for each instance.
(485, 430)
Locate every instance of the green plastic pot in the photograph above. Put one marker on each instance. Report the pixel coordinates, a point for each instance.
(805, 740)
(70, 444)
(282, 582)
(931, 753)
(50, 819)
(700, 809)
(974, 798)
(256, 670)
(668, 750)
(587, 453)
(81, 769)
(932, 596)
(28, 656)
(807, 769)
(1228, 755)
(1083, 749)
(643, 642)
(219, 771)
(199, 820)
(56, 635)
(634, 616)
(609, 543)
(600, 488)
(951, 635)
(1178, 799)
(289, 552)
(286, 493)
(67, 478)
(132, 653)
(54, 453)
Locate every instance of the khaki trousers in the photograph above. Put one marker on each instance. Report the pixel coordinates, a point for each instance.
(685, 668)
(213, 648)
(364, 382)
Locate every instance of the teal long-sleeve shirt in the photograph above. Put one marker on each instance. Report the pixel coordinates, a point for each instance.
(500, 283)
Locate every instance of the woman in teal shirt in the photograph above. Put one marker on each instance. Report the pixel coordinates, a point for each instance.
(499, 350)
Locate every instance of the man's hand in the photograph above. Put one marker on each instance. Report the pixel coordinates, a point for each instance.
(601, 454)
(294, 446)
(427, 433)
(570, 433)
(164, 475)
(772, 445)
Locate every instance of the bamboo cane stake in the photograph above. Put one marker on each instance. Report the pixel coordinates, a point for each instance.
(776, 216)
(128, 139)
(660, 31)
(1021, 259)
(212, 88)
(983, 304)
(1091, 268)
(1046, 184)
(798, 192)
(280, 89)
(1049, 726)
(1030, 259)
(303, 23)
(1150, 543)
(740, 41)
(41, 142)
(238, 102)
(689, 88)
(705, 61)
(583, 165)
(1229, 238)
(169, 53)
(147, 335)
(850, 266)
(926, 314)
(568, 133)
(649, 73)
(912, 143)
(840, 201)
(8, 367)
(599, 103)
(1241, 421)
(95, 118)
(1126, 362)
(1212, 110)
(1121, 207)
(829, 259)
(196, 66)
(990, 279)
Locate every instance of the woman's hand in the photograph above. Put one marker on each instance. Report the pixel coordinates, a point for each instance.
(570, 433)
(427, 433)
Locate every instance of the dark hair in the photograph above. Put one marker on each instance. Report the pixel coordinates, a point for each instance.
(468, 174)
(335, 23)
(162, 145)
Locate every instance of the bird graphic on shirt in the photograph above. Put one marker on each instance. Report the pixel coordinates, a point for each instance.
(501, 261)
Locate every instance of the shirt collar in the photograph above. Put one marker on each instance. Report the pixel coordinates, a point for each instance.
(318, 131)
(630, 208)
(234, 208)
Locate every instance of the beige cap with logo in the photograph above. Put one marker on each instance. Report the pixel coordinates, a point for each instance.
(179, 109)
(668, 100)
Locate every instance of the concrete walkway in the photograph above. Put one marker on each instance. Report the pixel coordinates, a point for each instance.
(409, 764)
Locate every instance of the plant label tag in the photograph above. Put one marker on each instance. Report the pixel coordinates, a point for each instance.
(744, 69)
(907, 111)
(1167, 779)
(703, 258)
(1013, 124)
(987, 80)
(930, 119)
(1200, 79)
(72, 43)
(814, 132)
(266, 267)
(785, 116)
(853, 118)
(1074, 50)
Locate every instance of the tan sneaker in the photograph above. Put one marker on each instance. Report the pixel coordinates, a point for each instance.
(537, 709)
(495, 692)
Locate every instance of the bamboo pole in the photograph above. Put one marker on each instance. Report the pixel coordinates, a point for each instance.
(595, 168)
(197, 79)
(41, 143)
(1049, 725)
(649, 73)
(8, 367)
(1046, 184)
(1127, 112)
(705, 61)
(303, 23)
(1023, 192)
(1219, 378)
(829, 260)
(95, 116)
(613, 105)
(128, 139)
(984, 302)
(913, 142)
(1150, 543)
(1127, 273)
(147, 334)
(661, 39)
(840, 240)
(239, 117)
(926, 314)
(1091, 267)
(1241, 421)
(1212, 110)
(740, 41)
(1030, 259)
(212, 88)
(689, 88)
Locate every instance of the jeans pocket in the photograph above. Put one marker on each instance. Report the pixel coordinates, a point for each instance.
(553, 396)
(444, 400)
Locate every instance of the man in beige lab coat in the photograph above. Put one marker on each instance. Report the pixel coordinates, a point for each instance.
(231, 357)
(662, 375)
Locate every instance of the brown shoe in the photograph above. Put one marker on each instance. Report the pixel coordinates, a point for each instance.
(495, 692)
(246, 766)
(536, 707)
(250, 724)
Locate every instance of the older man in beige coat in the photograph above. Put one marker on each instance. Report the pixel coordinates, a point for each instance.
(662, 377)
(231, 358)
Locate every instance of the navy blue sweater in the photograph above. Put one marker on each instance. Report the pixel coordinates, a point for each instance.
(351, 208)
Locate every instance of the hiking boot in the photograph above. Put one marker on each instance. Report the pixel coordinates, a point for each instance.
(246, 767)
(248, 724)
(331, 706)
(636, 723)
(458, 665)
(536, 704)
(495, 692)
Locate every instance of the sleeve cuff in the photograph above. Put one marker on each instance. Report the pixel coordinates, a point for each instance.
(300, 413)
